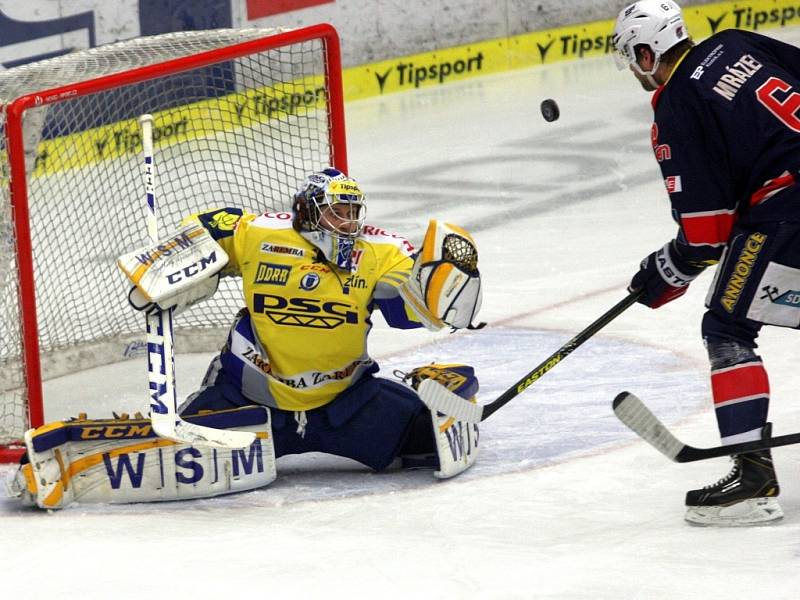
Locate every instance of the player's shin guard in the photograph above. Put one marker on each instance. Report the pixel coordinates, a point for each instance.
(740, 387)
(122, 461)
(456, 441)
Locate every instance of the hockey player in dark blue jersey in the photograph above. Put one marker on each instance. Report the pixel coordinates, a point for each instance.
(726, 135)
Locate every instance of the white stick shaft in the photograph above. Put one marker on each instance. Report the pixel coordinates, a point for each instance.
(160, 354)
(146, 122)
(160, 350)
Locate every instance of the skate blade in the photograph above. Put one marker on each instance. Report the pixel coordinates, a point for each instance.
(755, 511)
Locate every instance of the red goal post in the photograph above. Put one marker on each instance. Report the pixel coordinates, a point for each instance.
(240, 117)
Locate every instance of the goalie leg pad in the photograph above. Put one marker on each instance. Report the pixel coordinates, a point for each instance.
(457, 442)
(122, 461)
(456, 445)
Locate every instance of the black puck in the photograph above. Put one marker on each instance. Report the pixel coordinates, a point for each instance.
(550, 110)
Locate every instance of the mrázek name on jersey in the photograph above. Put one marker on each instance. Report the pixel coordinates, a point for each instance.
(736, 76)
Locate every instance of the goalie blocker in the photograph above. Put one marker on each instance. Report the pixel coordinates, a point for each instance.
(175, 272)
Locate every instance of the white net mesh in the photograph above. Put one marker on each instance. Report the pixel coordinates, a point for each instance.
(239, 132)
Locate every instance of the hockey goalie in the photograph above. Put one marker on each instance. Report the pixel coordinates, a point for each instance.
(295, 369)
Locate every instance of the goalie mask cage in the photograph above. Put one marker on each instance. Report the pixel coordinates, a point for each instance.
(241, 116)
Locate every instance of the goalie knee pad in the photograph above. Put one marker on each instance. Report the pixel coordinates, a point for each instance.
(122, 461)
(444, 287)
(456, 441)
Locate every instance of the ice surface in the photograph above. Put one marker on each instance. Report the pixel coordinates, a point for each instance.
(564, 502)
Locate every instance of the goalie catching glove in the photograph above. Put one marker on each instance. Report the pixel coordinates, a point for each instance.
(176, 272)
(445, 285)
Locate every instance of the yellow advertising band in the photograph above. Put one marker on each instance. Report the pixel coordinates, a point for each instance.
(228, 113)
(549, 46)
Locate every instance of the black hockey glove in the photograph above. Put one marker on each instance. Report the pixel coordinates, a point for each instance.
(664, 276)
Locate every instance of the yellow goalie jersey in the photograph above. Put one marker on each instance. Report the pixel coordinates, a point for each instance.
(305, 338)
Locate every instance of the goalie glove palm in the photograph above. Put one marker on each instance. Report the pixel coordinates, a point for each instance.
(445, 285)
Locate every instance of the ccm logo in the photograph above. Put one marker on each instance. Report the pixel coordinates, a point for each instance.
(193, 269)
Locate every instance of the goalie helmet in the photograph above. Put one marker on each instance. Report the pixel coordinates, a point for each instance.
(657, 24)
(329, 211)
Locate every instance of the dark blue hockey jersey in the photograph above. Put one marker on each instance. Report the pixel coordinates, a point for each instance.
(727, 137)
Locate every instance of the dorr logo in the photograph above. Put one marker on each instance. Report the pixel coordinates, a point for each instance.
(272, 274)
(305, 312)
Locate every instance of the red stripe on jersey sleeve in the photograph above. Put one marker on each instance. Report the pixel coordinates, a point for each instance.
(741, 381)
(708, 228)
(772, 187)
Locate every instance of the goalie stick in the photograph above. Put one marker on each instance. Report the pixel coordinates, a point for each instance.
(639, 419)
(160, 350)
(439, 398)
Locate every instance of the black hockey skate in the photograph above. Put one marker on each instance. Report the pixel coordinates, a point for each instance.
(746, 496)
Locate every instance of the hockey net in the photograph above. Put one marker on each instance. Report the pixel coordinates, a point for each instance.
(241, 116)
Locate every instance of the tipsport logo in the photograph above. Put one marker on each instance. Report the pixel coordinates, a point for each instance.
(574, 45)
(404, 75)
(750, 18)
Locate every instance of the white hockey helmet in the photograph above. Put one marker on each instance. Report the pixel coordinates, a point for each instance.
(657, 24)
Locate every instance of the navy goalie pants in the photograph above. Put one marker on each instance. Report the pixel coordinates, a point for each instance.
(373, 422)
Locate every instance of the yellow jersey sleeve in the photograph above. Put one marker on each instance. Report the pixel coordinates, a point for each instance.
(222, 223)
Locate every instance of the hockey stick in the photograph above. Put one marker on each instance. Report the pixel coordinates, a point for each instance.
(160, 350)
(439, 398)
(632, 411)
